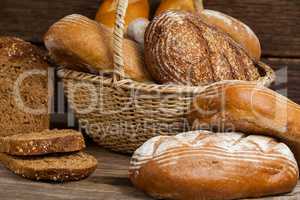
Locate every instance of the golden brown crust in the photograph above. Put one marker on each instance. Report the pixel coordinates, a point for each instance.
(248, 108)
(58, 168)
(136, 9)
(203, 165)
(77, 41)
(23, 106)
(184, 5)
(180, 48)
(40, 143)
(237, 30)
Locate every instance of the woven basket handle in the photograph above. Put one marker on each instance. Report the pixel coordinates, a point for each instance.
(118, 38)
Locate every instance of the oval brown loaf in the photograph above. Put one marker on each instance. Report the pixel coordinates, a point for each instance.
(202, 166)
(24, 91)
(181, 48)
(83, 44)
(248, 108)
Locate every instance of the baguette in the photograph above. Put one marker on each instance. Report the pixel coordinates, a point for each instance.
(40, 143)
(201, 165)
(58, 168)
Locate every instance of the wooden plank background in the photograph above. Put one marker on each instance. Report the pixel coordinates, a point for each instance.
(276, 22)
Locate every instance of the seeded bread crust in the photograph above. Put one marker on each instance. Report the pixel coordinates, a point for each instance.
(58, 168)
(19, 58)
(40, 143)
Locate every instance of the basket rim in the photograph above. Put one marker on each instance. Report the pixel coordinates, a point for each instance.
(159, 88)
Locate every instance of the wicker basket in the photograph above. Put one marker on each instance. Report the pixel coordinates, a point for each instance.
(121, 114)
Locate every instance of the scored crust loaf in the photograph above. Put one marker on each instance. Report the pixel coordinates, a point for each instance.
(181, 48)
(18, 59)
(62, 167)
(201, 165)
(45, 142)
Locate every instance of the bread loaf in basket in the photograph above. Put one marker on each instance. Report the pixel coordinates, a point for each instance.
(120, 113)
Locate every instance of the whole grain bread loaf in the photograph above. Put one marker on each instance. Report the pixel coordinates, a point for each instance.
(40, 143)
(23, 87)
(63, 167)
(183, 49)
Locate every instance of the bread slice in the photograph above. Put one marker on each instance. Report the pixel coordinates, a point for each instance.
(40, 143)
(24, 90)
(58, 168)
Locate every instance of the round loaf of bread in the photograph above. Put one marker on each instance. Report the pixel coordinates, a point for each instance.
(236, 29)
(181, 48)
(203, 165)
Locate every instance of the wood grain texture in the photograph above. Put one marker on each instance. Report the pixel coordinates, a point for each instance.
(30, 19)
(276, 22)
(110, 182)
(288, 73)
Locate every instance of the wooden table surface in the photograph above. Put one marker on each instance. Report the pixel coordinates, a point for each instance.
(275, 22)
(108, 182)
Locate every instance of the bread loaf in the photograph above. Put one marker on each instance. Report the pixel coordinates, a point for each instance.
(83, 44)
(40, 143)
(183, 5)
(180, 48)
(236, 29)
(58, 168)
(136, 9)
(24, 91)
(202, 165)
(247, 108)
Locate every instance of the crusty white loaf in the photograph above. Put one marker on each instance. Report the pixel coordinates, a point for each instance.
(201, 165)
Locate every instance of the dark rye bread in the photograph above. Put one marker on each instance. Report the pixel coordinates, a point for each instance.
(60, 168)
(40, 143)
(17, 59)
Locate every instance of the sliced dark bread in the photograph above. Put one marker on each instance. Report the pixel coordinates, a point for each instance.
(59, 168)
(24, 91)
(40, 143)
